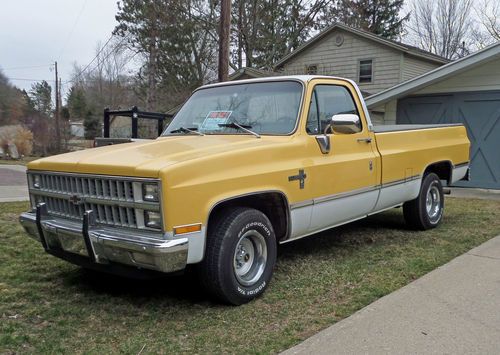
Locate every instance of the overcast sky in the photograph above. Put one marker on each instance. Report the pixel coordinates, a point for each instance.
(39, 32)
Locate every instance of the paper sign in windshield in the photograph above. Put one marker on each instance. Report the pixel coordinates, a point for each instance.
(214, 118)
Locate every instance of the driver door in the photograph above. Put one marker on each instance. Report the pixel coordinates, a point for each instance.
(345, 179)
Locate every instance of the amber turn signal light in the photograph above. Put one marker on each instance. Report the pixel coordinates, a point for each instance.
(187, 229)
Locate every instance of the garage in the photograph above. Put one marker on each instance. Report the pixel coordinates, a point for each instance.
(479, 112)
(466, 91)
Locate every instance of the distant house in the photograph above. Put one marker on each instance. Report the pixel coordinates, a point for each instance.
(375, 63)
(77, 129)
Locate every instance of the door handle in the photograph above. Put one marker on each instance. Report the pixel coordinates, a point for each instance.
(366, 140)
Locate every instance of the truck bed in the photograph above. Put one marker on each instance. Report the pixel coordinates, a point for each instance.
(410, 127)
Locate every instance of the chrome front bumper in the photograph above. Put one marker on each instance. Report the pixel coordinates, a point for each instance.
(97, 245)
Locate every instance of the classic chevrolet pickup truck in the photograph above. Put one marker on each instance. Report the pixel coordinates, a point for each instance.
(243, 167)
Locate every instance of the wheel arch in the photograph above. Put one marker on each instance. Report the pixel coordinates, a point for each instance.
(443, 169)
(273, 203)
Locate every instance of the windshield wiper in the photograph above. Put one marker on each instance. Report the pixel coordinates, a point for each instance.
(236, 125)
(187, 130)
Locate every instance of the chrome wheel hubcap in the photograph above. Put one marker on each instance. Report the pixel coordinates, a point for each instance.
(250, 257)
(433, 201)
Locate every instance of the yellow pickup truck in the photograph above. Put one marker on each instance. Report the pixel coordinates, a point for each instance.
(243, 167)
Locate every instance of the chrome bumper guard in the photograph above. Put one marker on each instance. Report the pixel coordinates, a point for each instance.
(103, 245)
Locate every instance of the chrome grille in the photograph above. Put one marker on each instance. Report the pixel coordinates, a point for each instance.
(115, 201)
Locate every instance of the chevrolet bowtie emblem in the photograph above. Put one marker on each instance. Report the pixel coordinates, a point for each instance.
(301, 177)
(75, 199)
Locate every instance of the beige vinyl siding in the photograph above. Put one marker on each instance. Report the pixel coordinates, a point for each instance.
(344, 60)
(481, 78)
(413, 67)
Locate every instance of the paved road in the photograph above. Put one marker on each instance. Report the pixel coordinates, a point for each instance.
(13, 185)
(454, 309)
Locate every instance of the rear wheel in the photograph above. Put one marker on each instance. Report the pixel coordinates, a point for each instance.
(426, 211)
(240, 256)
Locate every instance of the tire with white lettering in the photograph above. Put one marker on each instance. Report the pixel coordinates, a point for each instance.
(426, 211)
(240, 255)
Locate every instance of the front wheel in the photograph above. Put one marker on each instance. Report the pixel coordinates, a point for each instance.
(240, 256)
(426, 211)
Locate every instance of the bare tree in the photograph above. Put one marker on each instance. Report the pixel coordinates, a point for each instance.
(443, 27)
(488, 12)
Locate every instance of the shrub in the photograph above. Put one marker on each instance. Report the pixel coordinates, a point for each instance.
(20, 136)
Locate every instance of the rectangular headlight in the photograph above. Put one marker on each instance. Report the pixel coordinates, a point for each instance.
(150, 193)
(152, 219)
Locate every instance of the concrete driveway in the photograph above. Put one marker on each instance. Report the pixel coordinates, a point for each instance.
(13, 184)
(451, 310)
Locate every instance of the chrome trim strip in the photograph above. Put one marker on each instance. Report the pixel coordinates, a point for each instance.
(345, 194)
(400, 181)
(117, 177)
(301, 204)
(327, 198)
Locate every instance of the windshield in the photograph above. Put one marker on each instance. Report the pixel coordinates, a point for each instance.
(264, 108)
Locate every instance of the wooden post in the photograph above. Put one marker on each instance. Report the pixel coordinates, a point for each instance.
(58, 128)
(225, 24)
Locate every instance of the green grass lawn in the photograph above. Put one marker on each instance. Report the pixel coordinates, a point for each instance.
(47, 305)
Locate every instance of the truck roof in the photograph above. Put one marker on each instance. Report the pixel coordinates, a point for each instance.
(301, 78)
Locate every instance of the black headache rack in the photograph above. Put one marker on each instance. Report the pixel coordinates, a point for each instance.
(135, 115)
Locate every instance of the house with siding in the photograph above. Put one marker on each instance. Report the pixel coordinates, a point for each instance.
(375, 63)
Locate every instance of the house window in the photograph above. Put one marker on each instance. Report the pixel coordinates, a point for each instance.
(365, 71)
(312, 69)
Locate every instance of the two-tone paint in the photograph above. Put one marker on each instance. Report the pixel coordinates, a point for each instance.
(363, 173)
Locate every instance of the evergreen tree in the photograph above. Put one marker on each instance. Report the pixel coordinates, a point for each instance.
(91, 125)
(177, 41)
(381, 17)
(76, 102)
(41, 98)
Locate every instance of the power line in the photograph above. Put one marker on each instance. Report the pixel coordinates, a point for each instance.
(28, 67)
(73, 29)
(92, 61)
(28, 79)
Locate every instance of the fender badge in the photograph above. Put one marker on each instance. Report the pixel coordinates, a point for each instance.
(301, 177)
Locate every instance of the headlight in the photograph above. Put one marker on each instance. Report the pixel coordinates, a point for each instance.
(152, 219)
(150, 193)
(36, 181)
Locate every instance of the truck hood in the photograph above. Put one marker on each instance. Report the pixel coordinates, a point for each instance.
(147, 159)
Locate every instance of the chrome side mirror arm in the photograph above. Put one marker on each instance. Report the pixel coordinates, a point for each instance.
(324, 143)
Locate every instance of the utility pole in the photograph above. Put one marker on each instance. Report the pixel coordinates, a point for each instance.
(225, 24)
(58, 130)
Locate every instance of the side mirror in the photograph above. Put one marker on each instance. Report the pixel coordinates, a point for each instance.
(345, 124)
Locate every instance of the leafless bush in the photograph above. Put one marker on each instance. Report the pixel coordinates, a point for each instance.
(20, 136)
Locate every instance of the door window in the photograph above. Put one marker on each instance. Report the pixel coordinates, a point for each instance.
(328, 100)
